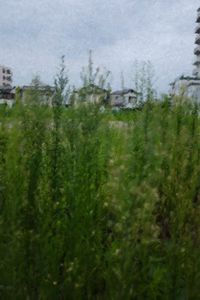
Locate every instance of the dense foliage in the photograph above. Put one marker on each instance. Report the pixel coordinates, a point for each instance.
(99, 205)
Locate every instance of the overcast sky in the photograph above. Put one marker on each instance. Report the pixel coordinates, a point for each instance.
(34, 34)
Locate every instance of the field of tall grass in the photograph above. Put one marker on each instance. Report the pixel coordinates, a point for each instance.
(99, 205)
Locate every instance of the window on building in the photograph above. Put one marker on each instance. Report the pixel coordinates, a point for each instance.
(130, 99)
(4, 71)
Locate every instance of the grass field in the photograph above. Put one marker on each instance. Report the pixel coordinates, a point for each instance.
(100, 205)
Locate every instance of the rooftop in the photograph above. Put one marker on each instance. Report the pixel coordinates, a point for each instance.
(124, 92)
(40, 87)
(5, 67)
(188, 78)
(6, 88)
(191, 80)
(91, 88)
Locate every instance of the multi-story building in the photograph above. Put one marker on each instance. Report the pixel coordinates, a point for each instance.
(189, 86)
(196, 71)
(5, 77)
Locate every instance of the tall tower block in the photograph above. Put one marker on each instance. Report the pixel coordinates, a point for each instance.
(196, 71)
(189, 86)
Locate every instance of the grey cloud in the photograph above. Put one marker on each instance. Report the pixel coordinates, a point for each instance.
(34, 34)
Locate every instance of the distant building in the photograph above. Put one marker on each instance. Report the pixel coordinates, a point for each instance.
(126, 98)
(45, 93)
(5, 76)
(189, 86)
(7, 96)
(91, 94)
(26, 93)
(196, 71)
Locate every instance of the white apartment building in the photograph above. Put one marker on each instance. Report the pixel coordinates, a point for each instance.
(189, 86)
(5, 76)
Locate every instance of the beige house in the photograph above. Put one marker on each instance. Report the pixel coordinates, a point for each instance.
(91, 94)
(44, 93)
